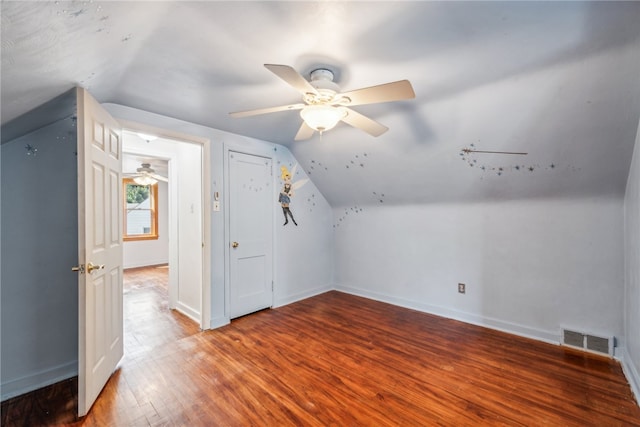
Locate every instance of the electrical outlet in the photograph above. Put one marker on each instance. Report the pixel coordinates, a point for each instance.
(462, 288)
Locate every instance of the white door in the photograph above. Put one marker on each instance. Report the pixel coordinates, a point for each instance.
(100, 342)
(251, 200)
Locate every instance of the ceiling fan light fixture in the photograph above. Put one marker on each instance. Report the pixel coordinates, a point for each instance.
(322, 117)
(145, 180)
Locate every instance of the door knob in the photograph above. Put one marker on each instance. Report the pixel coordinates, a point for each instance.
(91, 267)
(235, 245)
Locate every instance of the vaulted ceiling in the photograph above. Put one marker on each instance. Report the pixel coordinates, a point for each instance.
(556, 80)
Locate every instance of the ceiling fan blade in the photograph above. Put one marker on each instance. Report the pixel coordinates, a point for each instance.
(239, 114)
(395, 91)
(292, 77)
(360, 121)
(305, 132)
(158, 177)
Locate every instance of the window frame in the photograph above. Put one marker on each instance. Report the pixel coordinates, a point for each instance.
(153, 194)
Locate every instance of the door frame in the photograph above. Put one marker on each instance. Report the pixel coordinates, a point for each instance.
(267, 153)
(204, 143)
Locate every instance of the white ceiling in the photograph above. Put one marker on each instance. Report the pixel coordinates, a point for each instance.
(559, 80)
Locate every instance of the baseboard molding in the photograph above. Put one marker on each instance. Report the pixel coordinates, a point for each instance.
(145, 264)
(38, 380)
(474, 319)
(219, 322)
(188, 311)
(289, 299)
(631, 372)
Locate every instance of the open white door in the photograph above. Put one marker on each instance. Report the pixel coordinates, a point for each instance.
(251, 233)
(100, 343)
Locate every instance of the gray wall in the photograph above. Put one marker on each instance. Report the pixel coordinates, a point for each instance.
(632, 273)
(39, 247)
(530, 267)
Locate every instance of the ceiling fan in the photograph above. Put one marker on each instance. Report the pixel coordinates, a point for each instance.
(324, 105)
(145, 175)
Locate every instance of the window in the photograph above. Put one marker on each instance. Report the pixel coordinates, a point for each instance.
(140, 211)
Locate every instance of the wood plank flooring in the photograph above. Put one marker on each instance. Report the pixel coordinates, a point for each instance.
(148, 321)
(340, 360)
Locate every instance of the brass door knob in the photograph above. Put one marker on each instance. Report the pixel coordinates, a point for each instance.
(235, 245)
(91, 267)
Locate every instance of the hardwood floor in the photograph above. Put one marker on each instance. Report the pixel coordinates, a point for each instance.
(148, 321)
(340, 360)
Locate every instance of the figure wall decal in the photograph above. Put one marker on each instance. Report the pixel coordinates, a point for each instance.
(287, 191)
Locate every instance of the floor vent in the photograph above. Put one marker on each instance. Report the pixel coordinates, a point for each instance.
(588, 342)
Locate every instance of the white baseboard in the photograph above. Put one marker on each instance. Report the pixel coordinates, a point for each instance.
(631, 372)
(474, 319)
(38, 380)
(289, 299)
(218, 322)
(145, 264)
(188, 311)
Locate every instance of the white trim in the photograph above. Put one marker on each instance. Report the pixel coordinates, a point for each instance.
(219, 322)
(38, 380)
(631, 372)
(145, 264)
(474, 319)
(188, 311)
(290, 299)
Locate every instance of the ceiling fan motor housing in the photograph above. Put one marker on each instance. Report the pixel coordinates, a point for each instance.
(146, 167)
(322, 80)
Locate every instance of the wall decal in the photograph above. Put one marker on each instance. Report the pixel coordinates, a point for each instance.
(353, 210)
(316, 166)
(358, 161)
(311, 201)
(252, 185)
(472, 157)
(287, 192)
(471, 150)
(378, 196)
(31, 150)
(77, 13)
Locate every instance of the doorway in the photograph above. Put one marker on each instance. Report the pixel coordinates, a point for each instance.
(178, 244)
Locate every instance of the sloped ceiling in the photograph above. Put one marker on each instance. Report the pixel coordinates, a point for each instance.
(557, 80)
